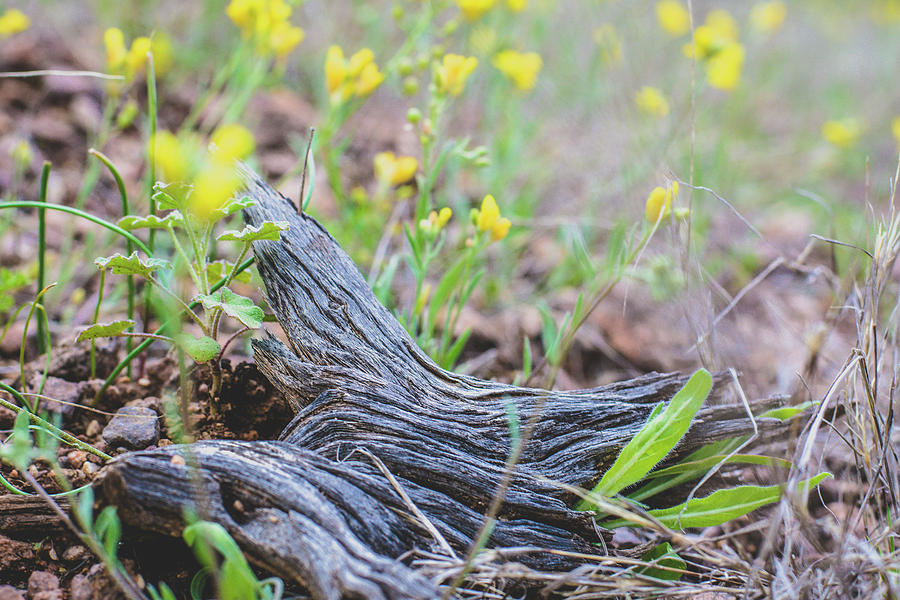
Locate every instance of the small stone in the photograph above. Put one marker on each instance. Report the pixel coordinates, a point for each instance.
(48, 595)
(76, 458)
(80, 588)
(8, 592)
(144, 382)
(164, 442)
(177, 460)
(93, 428)
(42, 581)
(133, 427)
(89, 468)
(76, 554)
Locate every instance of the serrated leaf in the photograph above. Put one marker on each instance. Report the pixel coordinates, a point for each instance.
(200, 349)
(663, 430)
(169, 195)
(234, 305)
(131, 222)
(232, 206)
(222, 268)
(132, 265)
(100, 330)
(269, 230)
(720, 506)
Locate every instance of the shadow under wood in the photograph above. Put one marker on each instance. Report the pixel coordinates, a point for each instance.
(387, 453)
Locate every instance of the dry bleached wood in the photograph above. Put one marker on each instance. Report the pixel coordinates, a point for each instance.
(388, 453)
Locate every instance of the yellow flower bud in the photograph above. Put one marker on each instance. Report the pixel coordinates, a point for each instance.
(114, 40)
(359, 61)
(136, 58)
(284, 38)
(368, 80)
(500, 229)
(673, 17)
(651, 101)
(213, 187)
(473, 9)
(173, 158)
(659, 204)
(767, 17)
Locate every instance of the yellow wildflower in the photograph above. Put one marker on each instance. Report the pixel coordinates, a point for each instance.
(394, 170)
(843, 133)
(243, 13)
(335, 68)
(214, 185)
(895, 129)
(488, 219)
(719, 30)
(521, 68)
(607, 38)
(136, 59)
(13, 21)
(768, 16)
(673, 17)
(473, 9)
(114, 40)
(369, 79)
(163, 53)
(453, 71)
(173, 158)
(516, 5)
(359, 61)
(651, 101)
(284, 38)
(659, 202)
(723, 69)
(359, 75)
(232, 142)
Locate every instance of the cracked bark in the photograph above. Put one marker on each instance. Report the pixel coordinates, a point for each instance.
(317, 507)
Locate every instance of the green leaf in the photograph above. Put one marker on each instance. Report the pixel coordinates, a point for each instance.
(132, 265)
(237, 581)
(18, 450)
(233, 305)
(700, 467)
(720, 506)
(663, 430)
(268, 230)
(232, 206)
(663, 555)
(108, 529)
(216, 270)
(169, 195)
(100, 330)
(200, 349)
(786, 412)
(444, 289)
(131, 222)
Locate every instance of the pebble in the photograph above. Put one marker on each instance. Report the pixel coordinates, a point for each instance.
(42, 581)
(8, 592)
(93, 428)
(89, 468)
(144, 382)
(177, 460)
(133, 428)
(76, 553)
(76, 458)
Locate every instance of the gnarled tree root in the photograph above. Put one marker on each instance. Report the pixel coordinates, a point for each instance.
(388, 453)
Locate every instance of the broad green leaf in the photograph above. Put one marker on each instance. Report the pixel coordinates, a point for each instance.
(108, 529)
(720, 506)
(663, 555)
(786, 412)
(232, 206)
(233, 305)
(218, 269)
(101, 330)
(200, 349)
(269, 230)
(663, 430)
(132, 265)
(169, 195)
(131, 222)
(237, 581)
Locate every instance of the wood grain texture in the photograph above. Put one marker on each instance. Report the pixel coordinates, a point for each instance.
(388, 452)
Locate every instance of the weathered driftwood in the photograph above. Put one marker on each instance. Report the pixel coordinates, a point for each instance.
(388, 453)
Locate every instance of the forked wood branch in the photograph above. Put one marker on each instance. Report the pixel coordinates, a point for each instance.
(388, 453)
